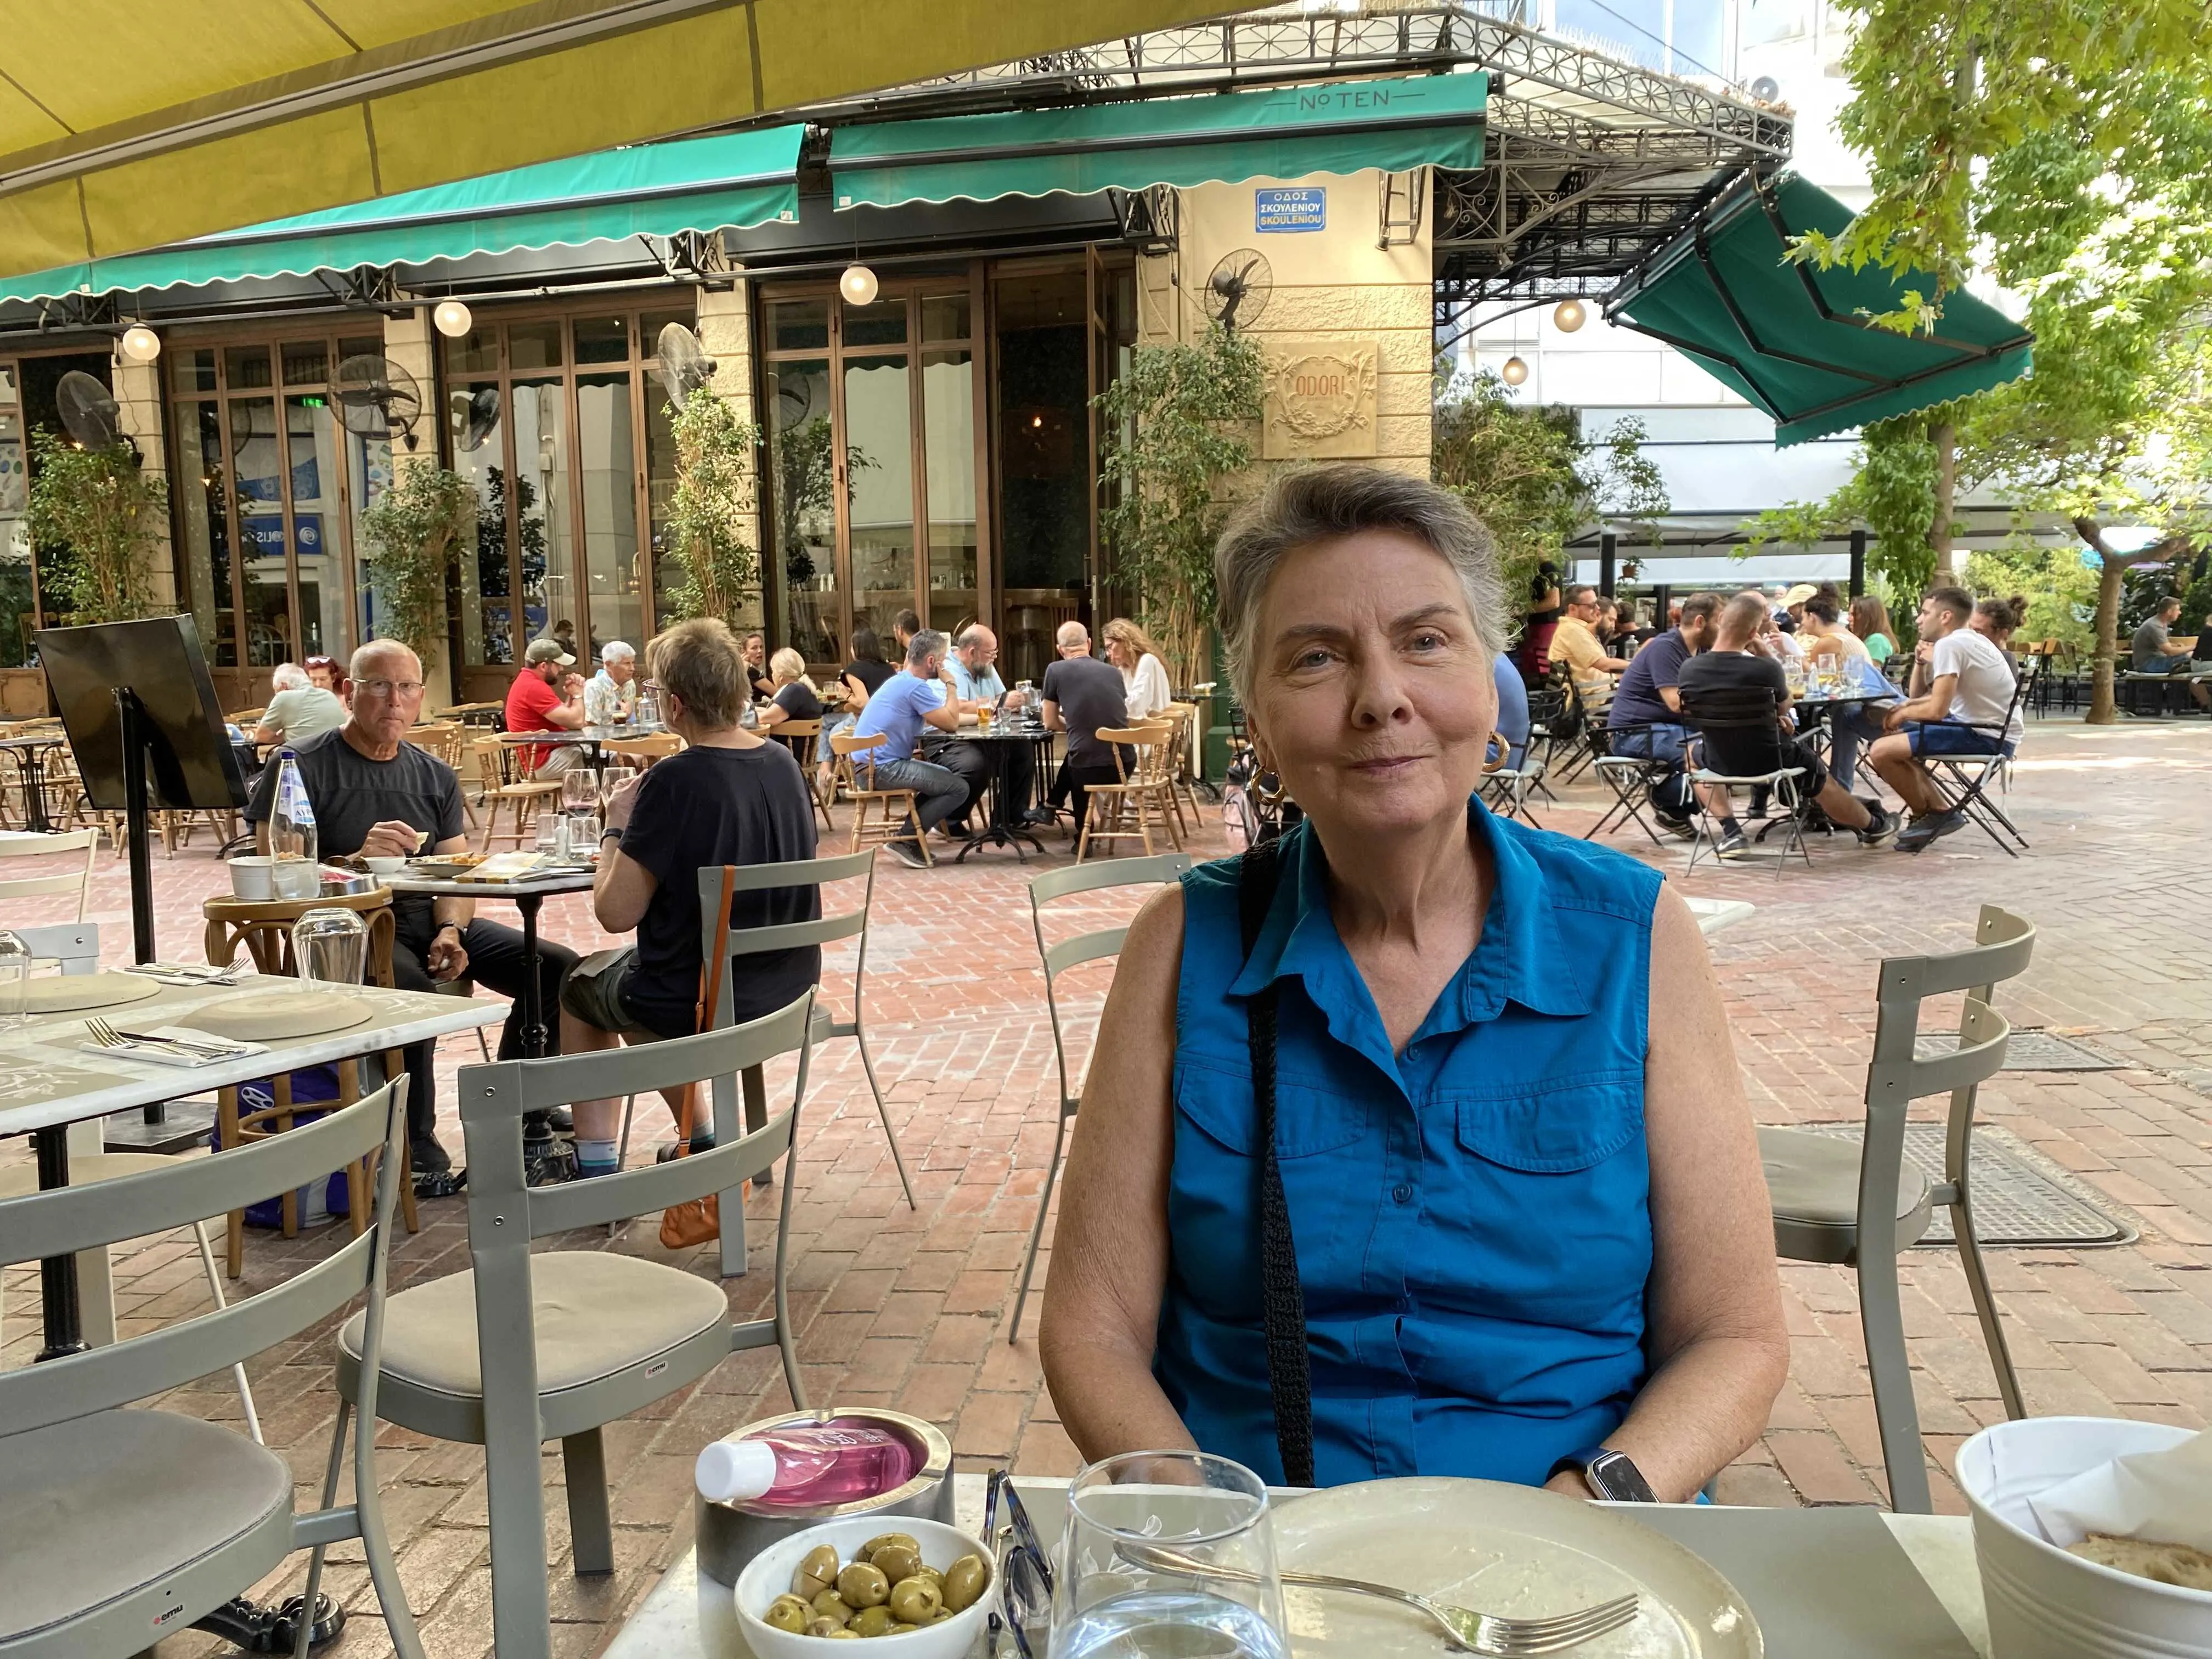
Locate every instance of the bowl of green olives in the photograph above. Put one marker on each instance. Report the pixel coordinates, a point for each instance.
(919, 1583)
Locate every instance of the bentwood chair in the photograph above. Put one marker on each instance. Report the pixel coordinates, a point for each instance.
(1860, 1205)
(525, 1346)
(1141, 800)
(896, 814)
(1071, 952)
(801, 737)
(120, 1527)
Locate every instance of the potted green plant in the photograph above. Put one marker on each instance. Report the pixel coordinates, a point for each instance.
(710, 510)
(409, 536)
(103, 511)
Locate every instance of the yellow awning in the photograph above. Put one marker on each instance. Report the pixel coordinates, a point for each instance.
(125, 126)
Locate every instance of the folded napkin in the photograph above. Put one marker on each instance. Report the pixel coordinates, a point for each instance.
(2164, 1497)
(185, 973)
(206, 1048)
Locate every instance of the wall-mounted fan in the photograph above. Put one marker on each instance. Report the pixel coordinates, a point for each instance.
(684, 365)
(795, 399)
(475, 417)
(88, 410)
(1237, 291)
(377, 398)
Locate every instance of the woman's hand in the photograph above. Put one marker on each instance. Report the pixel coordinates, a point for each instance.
(622, 800)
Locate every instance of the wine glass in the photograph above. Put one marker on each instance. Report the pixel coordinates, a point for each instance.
(1167, 1552)
(579, 791)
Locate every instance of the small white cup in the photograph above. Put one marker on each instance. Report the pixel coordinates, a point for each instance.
(253, 876)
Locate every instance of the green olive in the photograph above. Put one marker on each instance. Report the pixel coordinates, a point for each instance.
(867, 1551)
(863, 1585)
(816, 1573)
(941, 1615)
(963, 1583)
(935, 1574)
(788, 1612)
(916, 1599)
(870, 1621)
(834, 1608)
(901, 1630)
(827, 1627)
(896, 1560)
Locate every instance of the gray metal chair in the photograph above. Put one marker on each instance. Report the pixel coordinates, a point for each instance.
(1058, 959)
(752, 941)
(1859, 1206)
(523, 1348)
(118, 1527)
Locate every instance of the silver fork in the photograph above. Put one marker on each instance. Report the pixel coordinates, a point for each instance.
(108, 1037)
(1476, 1632)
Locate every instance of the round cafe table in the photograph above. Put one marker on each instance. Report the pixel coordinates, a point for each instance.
(1004, 827)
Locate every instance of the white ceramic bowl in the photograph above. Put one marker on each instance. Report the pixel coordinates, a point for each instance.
(2043, 1602)
(253, 876)
(768, 1575)
(386, 866)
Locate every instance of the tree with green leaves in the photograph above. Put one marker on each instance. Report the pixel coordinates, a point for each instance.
(1172, 441)
(410, 536)
(1529, 474)
(710, 511)
(101, 506)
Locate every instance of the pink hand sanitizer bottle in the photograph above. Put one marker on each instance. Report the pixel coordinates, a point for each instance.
(806, 1466)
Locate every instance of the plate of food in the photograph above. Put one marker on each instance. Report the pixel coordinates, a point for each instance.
(1508, 1551)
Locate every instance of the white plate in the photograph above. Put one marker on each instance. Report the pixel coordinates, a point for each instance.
(1513, 1551)
(66, 993)
(280, 1016)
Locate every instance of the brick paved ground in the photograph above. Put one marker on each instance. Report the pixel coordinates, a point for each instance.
(908, 1308)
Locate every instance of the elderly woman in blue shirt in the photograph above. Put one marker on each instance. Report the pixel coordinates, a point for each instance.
(1522, 1231)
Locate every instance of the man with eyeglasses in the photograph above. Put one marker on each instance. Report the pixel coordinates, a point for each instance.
(376, 794)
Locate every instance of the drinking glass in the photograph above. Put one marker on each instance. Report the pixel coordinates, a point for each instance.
(331, 943)
(580, 790)
(549, 833)
(14, 980)
(613, 779)
(1168, 1553)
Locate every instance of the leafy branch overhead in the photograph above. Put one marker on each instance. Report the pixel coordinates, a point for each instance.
(408, 537)
(710, 511)
(107, 512)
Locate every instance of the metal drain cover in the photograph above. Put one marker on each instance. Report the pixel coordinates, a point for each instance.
(2031, 1051)
(2018, 1199)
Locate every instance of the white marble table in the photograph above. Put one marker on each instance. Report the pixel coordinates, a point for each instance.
(1715, 914)
(688, 1616)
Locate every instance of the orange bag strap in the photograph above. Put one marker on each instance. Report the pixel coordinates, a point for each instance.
(710, 989)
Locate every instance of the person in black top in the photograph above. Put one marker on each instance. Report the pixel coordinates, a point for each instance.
(1081, 694)
(795, 697)
(731, 796)
(376, 794)
(1541, 618)
(1645, 716)
(865, 671)
(759, 685)
(1738, 668)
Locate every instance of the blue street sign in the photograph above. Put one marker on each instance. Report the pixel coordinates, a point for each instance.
(1303, 208)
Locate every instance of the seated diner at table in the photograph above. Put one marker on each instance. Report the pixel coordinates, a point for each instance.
(972, 678)
(2152, 649)
(897, 713)
(1082, 694)
(1820, 630)
(1870, 625)
(1575, 642)
(1644, 718)
(1962, 704)
(729, 797)
(1516, 1215)
(299, 710)
(1144, 670)
(545, 696)
(795, 697)
(611, 694)
(376, 794)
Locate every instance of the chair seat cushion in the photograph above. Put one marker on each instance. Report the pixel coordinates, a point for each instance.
(1813, 1180)
(595, 1313)
(93, 1509)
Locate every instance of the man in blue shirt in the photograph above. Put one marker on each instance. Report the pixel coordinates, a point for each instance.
(1646, 716)
(902, 706)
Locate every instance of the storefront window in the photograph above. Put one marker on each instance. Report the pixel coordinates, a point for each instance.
(879, 489)
(545, 557)
(18, 599)
(312, 434)
(602, 340)
(264, 595)
(804, 525)
(607, 460)
(486, 607)
(948, 401)
(201, 493)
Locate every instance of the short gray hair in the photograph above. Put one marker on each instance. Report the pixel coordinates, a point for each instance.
(923, 646)
(617, 651)
(1325, 503)
(288, 677)
(1071, 632)
(366, 653)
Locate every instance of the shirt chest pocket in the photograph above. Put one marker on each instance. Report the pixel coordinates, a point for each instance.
(1557, 1129)
(1312, 1116)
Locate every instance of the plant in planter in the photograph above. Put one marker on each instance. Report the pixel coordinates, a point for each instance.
(1169, 447)
(100, 506)
(410, 535)
(710, 511)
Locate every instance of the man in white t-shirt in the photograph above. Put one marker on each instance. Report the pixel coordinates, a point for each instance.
(1968, 708)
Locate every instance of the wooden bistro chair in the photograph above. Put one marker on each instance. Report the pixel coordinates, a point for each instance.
(121, 1525)
(521, 798)
(72, 880)
(646, 746)
(897, 815)
(1071, 952)
(802, 738)
(1144, 798)
(1182, 744)
(1861, 1205)
(525, 1346)
(262, 928)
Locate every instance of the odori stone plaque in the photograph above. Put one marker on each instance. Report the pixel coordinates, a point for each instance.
(1321, 398)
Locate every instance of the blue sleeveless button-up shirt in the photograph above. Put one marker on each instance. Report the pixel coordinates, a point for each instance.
(1471, 1217)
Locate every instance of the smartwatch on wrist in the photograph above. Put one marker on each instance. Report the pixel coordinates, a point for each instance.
(443, 926)
(1609, 1473)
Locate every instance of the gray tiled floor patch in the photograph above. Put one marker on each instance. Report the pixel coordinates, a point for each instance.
(2020, 1199)
(2032, 1051)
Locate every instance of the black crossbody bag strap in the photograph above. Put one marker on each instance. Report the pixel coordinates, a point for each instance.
(1282, 1306)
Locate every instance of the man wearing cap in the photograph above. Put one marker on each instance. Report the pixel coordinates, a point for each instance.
(546, 698)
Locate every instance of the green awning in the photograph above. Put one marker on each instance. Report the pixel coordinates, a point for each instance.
(1798, 341)
(731, 180)
(1288, 132)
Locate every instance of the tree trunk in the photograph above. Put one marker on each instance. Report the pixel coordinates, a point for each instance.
(1945, 436)
(2108, 630)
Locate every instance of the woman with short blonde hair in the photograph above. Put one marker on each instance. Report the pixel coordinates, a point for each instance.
(796, 697)
(1144, 675)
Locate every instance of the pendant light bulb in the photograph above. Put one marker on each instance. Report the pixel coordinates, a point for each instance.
(858, 285)
(141, 345)
(1514, 373)
(451, 318)
(1569, 316)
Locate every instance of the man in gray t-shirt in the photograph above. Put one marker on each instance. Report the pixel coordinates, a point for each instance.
(1081, 694)
(299, 715)
(2154, 652)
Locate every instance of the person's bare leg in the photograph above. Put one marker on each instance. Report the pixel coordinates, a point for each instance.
(1842, 806)
(1715, 799)
(596, 1120)
(1891, 757)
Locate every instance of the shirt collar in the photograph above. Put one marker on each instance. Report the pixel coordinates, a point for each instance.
(1519, 957)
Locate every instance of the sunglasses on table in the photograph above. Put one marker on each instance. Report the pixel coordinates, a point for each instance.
(1018, 1564)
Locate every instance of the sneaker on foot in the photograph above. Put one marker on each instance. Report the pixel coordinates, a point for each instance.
(1918, 833)
(1883, 827)
(1680, 829)
(1733, 845)
(908, 854)
(427, 1158)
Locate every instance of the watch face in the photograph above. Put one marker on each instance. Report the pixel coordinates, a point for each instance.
(1615, 1476)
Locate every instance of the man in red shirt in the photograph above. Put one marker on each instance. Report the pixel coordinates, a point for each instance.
(546, 698)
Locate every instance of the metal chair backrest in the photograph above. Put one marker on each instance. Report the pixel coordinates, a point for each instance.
(827, 929)
(35, 846)
(67, 1219)
(1080, 948)
(2003, 944)
(74, 944)
(505, 1214)
(1750, 713)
